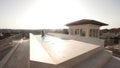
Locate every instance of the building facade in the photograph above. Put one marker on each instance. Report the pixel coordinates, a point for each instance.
(85, 28)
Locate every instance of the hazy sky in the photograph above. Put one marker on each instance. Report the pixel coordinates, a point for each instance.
(37, 14)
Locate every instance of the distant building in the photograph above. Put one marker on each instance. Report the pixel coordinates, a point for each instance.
(85, 28)
(111, 36)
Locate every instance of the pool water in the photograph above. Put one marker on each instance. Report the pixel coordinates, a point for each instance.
(50, 39)
(44, 49)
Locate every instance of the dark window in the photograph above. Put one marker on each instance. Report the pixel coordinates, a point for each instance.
(75, 32)
(82, 32)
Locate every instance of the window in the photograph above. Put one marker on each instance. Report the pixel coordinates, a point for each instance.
(82, 32)
(93, 33)
(75, 32)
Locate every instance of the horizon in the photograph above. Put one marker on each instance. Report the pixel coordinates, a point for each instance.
(51, 29)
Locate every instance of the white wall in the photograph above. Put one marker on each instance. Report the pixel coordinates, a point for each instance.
(85, 27)
(90, 40)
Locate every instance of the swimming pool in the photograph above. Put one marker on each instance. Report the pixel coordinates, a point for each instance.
(54, 50)
(50, 40)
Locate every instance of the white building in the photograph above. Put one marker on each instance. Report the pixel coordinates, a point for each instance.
(85, 28)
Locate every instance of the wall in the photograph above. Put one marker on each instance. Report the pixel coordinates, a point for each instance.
(95, 41)
(85, 27)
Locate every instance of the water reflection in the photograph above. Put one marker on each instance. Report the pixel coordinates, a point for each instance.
(53, 44)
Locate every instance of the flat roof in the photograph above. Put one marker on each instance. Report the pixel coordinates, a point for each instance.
(86, 21)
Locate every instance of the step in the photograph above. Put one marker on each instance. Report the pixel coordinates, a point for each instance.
(96, 61)
(58, 53)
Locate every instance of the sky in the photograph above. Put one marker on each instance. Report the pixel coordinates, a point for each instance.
(54, 14)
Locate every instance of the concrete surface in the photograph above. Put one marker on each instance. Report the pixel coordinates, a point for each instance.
(20, 58)
(7, 57)
(95, 61)
(113, 63)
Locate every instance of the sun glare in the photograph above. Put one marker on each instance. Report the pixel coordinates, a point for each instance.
(52, 14)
